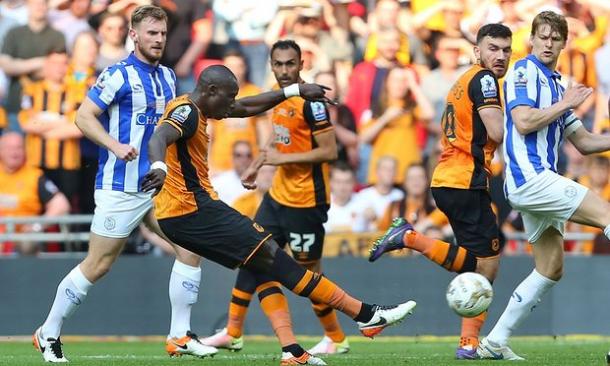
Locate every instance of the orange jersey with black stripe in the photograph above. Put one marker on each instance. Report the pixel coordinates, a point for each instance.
(187, 184)
(465, 161)
(295, 123)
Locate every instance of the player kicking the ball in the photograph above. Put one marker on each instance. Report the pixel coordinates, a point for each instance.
(191, 215)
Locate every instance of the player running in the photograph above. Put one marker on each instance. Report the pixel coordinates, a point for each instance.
(120, 114)
(190, 214)
(472, 125)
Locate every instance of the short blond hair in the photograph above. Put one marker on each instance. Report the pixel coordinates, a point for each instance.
(557, 22)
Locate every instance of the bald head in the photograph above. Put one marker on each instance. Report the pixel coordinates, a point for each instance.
(218, 75)
(216, 91)
(12, 152)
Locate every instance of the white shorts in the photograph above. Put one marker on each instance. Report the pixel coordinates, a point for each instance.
(546, 200)
(118, 213)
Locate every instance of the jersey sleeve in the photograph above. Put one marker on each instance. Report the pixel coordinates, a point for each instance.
(46, 189)
(571, 123)
(184, 118)
(521, 85)
(484, 90)
(317, 117)
(107, 88)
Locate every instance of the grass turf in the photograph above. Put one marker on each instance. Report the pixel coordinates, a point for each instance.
(570, 350)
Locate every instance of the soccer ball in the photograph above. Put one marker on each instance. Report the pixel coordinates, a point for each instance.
(469, 294)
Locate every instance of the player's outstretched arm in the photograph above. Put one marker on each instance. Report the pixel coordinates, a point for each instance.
(163, 136)
(589, 143)
(257, 104)
(87, 121)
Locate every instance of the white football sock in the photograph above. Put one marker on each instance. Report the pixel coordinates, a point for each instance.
(607, 231)
(71, 292)
(183, 292)
(524, 299)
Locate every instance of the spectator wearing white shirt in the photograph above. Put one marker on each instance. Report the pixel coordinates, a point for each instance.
(246, 22)
(228, 184)
(342, 212)
(372, 202)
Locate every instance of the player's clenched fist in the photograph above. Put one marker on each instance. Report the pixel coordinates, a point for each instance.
(125, 152)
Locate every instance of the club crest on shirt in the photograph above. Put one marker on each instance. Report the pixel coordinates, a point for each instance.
(101, 80)
(318, 111)
(488, 87)
(520, 78)
(181, 113)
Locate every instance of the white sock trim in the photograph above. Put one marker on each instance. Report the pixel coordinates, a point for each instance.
(190, 272)
(544, 281)
(80, 281)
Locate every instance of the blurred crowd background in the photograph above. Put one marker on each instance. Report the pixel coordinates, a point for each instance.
(389, 63)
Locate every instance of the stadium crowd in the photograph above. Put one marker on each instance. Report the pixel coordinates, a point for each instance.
(390, 65)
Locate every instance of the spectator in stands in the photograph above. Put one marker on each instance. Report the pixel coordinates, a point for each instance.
(81, 76)
(70, 18)
(189, 35)
(342, 212)
(371, 203)
(575, 167)
(417, 206)
(391, 125)
(25, 191)
(331, 49)
(24, 51)
(223, 134)
(16, 10)
(342, 119)
(247, 203)
(228, 184)
(438, 82)
(410, 51)
(112, 34)
(47, 116)
(366, 81)
(246, 22)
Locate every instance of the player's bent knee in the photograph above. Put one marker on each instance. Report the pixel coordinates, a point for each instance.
(262, 259)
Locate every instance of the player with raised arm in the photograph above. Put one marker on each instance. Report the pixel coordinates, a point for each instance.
(539, 116)
(472, 125)
(294, 210)
(191, 215)
(120, 114)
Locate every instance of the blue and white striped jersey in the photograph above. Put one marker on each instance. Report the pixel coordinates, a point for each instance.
(531, 83)
(133, 95)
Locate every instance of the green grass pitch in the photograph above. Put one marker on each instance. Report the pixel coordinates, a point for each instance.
(569, 350)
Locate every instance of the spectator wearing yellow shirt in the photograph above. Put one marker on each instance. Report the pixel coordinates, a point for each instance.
(47, 116)
(391, 125)
(224, 134)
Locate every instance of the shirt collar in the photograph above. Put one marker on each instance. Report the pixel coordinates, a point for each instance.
(132, 59)
(545, 70)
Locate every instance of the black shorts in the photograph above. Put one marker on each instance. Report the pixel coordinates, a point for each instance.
(216, 232)
(472, 219)
(302, 228)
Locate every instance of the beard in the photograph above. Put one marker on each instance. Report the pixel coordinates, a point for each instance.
(152, 57)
